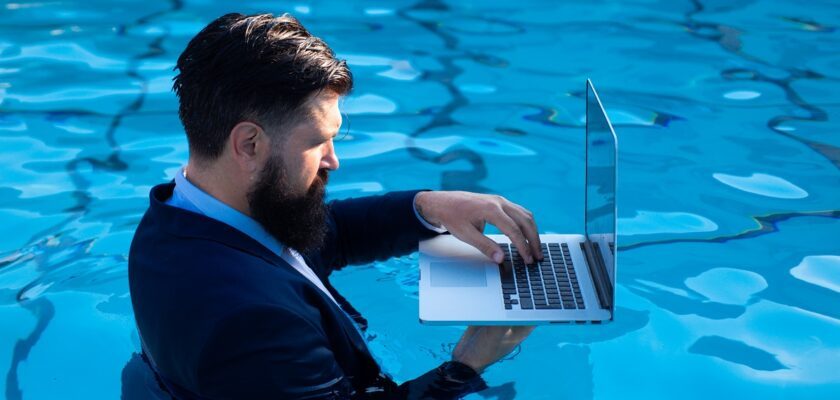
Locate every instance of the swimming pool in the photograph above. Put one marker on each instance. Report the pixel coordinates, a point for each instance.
(729, 181)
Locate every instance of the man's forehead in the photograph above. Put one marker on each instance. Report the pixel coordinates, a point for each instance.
(324, 106)
(318, 116)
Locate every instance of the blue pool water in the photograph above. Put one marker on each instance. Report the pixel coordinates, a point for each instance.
(729, 185)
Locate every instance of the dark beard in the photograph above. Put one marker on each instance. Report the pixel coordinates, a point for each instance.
(297, 221)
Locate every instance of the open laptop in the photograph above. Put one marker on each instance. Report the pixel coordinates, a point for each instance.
(574, 283)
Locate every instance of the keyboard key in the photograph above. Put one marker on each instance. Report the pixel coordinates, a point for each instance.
(547, 284)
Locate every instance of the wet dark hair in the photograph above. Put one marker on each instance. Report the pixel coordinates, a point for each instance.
(257, 68)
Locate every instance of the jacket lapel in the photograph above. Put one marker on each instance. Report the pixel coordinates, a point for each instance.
(185, 223)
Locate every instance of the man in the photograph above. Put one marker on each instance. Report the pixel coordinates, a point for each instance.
(229, 267)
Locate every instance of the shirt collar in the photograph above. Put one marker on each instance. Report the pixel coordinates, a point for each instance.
(201, 202)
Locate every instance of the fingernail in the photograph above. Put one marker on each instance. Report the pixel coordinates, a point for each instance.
(497, 257)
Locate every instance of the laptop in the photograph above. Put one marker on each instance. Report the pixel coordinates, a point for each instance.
(575, 282)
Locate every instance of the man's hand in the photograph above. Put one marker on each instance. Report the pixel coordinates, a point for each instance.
(484, 345)
(464, 214)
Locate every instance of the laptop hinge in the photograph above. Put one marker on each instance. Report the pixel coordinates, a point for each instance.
(598, 270)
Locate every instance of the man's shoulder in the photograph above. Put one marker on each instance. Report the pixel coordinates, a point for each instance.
(169, 235)
(196, 264)
(179, 257)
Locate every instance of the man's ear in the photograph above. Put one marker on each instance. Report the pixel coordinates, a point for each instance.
(248, 142)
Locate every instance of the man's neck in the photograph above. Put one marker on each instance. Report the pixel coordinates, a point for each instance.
(217, 184)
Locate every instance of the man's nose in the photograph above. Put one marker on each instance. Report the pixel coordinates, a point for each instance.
(330, 159)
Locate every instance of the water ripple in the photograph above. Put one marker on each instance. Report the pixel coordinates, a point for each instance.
(727, 285)
(763, 184)
(651, 222)
(821, 270)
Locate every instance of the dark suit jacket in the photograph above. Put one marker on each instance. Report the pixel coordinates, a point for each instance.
(220, 316)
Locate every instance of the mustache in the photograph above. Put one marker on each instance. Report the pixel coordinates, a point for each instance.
(323, 176)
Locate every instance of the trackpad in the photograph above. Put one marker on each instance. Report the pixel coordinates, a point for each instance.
(458, 274)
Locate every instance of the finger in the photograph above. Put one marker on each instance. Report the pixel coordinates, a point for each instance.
(519, 333)
(524, 219)
(509, 227)
(484, 244)
(522, 331)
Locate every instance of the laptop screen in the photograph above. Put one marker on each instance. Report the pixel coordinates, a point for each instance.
(600, 178)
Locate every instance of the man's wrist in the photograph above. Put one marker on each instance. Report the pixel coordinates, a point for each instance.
(466, 363)
(421, 209)
(459, 370)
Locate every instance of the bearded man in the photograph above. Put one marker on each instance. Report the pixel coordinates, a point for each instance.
(229, 267)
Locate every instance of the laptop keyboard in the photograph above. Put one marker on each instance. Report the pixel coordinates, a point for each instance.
(550, 284)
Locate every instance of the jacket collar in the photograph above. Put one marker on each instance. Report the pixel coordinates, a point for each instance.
(183, 223)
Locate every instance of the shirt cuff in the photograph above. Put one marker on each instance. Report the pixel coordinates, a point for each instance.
(423, 221)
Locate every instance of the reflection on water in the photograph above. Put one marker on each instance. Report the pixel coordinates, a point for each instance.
(823, 270)
(728, 180)
(736, 352)
(763, 184)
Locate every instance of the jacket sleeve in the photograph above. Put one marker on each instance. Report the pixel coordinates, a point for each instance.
(271, 353)
(374, 228)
